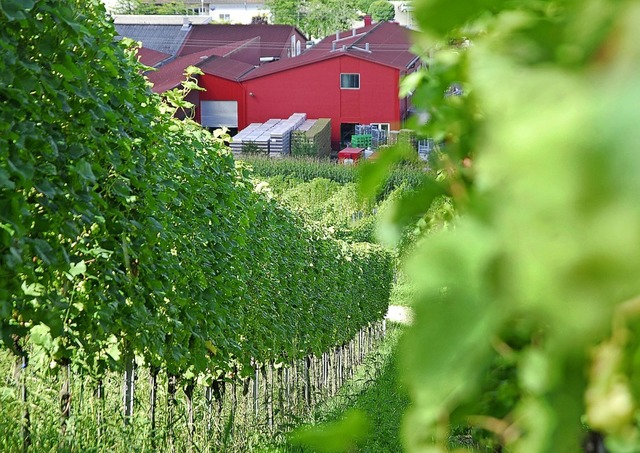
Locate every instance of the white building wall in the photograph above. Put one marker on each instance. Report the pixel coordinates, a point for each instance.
(110, 4)
(235, 13)
(404, 14)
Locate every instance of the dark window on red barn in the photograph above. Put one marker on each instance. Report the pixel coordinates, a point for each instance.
(350, 81)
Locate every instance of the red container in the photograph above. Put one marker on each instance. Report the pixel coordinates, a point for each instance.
(350, 155)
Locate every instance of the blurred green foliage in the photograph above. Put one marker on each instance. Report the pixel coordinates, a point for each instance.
(536, 106)
(333, 437)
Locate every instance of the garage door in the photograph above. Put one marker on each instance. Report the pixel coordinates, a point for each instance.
(219, 113)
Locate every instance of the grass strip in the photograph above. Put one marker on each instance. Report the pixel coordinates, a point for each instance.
(375, 392)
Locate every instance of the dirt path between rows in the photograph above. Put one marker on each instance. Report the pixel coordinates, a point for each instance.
(400, 314)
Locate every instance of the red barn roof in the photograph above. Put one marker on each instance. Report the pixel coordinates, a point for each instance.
(150, 57)
(274, 39)
(226, 68)
(220, 61)
(228, 49)
(171, 75)
(386, 43)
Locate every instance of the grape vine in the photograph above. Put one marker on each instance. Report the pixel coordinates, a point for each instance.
(126, 232)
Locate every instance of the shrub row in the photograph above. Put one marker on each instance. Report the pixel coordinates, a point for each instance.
(125, 231)
(307, 169)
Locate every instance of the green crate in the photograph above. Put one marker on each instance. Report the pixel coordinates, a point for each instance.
(361, 141)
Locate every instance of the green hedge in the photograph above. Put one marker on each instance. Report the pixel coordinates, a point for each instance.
(125, 231)
(307, 169)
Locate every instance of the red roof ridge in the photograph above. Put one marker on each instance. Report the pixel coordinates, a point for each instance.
(225, 50)
(171, 74)
(372, 29)
(226, 68)
(199, 32)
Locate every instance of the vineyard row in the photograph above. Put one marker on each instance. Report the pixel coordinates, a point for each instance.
(145, 408)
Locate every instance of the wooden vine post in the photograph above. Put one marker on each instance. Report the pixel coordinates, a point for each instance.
(172, 383)
(217, 389)
(188, 391)
(153, 398)
(20, 378)
(128, 389)
(208, 396)
(281, 392)
(268, 408)
(317, 377)
(256, 392)
(293, 389)
(65, 397)
(269, 396)
(99, 395)
(234, 404)
(307, 380)
(340, 366)
(345, 361)
(247, 401)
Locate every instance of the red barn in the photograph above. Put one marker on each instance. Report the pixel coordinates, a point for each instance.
(256, 72)
(351, 77)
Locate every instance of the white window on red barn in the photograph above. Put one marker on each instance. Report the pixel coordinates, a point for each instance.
(381, 126)
(350, 81)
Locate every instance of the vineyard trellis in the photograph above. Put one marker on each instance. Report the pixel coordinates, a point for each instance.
(205, 415)
(131, 241)
(409, 176)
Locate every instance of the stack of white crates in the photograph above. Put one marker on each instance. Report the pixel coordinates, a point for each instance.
(363, 129)
(248, 135)
(272, 137)
(378, 137)
(281, 133)
(425, 147)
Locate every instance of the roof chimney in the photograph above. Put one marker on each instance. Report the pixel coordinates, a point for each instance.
(337, 35)
(366, 46)
(367, 20)
(186, 23)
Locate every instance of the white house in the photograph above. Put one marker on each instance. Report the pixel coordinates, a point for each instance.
(403, 15)
(236, 11)
(227, 11)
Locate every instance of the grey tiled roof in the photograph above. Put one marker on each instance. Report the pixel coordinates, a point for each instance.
(163, 38)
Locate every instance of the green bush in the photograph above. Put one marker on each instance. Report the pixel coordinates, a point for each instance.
(382, 10)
